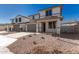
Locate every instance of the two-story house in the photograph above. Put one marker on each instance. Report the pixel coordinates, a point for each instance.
(18, 23)
(47, 20)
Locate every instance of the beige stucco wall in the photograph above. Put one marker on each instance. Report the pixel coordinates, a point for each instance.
(48, 29)
(23, 19)
(30, 17)
(23, 26)
(58, 25)
(56, 10)
(42, 14)
(2, 27)
(36, 16)
(8, 26)
(39, 27)
(57, 30)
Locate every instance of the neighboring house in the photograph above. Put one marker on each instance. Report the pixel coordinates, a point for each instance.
(47, 20)
(70, 27)
(18, 23)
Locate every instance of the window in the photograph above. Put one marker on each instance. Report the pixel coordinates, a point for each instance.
(16, 20)
(19, 19)
(50, 24)
(33, 17)
(49, 12)
(54, 24)
(12, 20)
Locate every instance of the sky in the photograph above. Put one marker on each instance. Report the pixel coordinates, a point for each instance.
(70, 12)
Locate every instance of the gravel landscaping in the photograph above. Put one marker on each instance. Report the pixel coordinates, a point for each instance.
(43, 44)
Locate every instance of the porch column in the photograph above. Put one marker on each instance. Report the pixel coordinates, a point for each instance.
(58, 26)
(37, 27)
(7, 28)
(26, 27)
(11, 28)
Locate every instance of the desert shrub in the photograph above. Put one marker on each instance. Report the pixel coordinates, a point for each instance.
(24, 38)
(30, 35)
(34, 34)
(47, 34)
(34, 42)
(42, 37)
(57, 51)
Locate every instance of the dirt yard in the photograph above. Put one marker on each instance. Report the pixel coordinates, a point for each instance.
(42, 44)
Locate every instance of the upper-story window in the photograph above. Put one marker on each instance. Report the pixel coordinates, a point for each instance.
(33, 17)
(16, 20)
(12, 20)
(19, 19)
(49, 12)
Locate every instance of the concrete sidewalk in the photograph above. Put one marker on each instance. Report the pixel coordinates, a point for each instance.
(3, 32)
(4, 42)
(76, 42)
(20, 34)
(4, 50)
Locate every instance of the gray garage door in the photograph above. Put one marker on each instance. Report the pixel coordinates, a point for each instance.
(31, 27)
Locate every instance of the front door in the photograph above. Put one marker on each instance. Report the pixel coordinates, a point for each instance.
(43, 27)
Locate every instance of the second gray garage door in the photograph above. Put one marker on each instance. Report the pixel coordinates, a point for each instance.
(31, 27)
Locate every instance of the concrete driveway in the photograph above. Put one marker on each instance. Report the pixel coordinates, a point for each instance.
(18, 35)
(6, 40)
